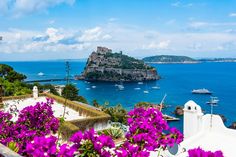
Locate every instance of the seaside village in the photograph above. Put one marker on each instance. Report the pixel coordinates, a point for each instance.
(45, 124)
(205, 131)
(42, 124)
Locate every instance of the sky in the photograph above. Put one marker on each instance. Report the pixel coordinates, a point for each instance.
(72, 29)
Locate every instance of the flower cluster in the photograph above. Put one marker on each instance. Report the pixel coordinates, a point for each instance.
(148, 131)
(198, 152)
(5, 127)
(47, 147)
(31, 136)
(32, 121)
(39, 118)
(92, 144)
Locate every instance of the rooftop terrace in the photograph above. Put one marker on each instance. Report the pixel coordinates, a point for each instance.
(57, 107)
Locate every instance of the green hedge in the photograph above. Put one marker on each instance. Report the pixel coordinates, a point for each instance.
(67, 129)
(83, 110)
(89, 122)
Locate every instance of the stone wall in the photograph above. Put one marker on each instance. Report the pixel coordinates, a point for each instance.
(6, 152)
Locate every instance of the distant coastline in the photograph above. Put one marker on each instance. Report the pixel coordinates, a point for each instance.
(218, 60)
(195, 62)
(172, 59)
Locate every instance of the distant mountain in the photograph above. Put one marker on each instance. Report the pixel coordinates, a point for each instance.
(103, 65)
(217, 60)
(169, 59)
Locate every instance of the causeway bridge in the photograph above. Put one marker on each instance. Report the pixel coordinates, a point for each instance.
(48, 80)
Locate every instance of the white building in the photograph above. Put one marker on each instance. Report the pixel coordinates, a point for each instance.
(205, 131)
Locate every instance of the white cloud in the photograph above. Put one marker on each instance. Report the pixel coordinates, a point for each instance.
(133, 41)
(20, 41)
(51, 40)
(3, 6)
(232, 14)
(182, 5)
(54, 35)
(112, 19)
(170, 22)
(106, 37)
(160, 45)
(91, 34)
(176, 4)
(196, 46)
(20, 7)
(197, 24)
(189, 5)
(94, 34)
(51, 22)
(202, 24)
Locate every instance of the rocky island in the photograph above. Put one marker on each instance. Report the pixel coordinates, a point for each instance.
(103, 65)
(169, 59)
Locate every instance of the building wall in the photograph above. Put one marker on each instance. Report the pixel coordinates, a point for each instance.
(192, 119)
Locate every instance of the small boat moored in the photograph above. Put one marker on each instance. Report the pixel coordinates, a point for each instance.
(146, 92)
(40, 74)
(155, 87)
(201, 91)
(120, 87)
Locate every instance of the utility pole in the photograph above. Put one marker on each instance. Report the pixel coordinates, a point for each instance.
(62, 119)
(67, 72)
(67, 83)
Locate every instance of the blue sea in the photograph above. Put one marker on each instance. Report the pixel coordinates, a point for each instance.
(177, 82)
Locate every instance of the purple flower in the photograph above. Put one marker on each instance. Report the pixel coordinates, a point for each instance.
(146, 132)
(42, 146)
(66, 151)
(198, 152)
(91, 142)
(32, 121)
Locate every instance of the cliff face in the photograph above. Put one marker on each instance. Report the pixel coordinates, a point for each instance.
(103, 65)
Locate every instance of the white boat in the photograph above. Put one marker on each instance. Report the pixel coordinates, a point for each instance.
(87, 88)
(120, 87)
(145, 91)
(140, 82)
(137, 88)
(94, 87)
(40, 73)
(155, 87)
(213, 100)
(201, 91)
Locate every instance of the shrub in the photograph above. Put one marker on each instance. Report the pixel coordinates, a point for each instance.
(115, 133)
(92, 144)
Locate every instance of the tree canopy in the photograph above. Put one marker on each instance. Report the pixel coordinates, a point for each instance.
(72, 93)
(8, 73)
